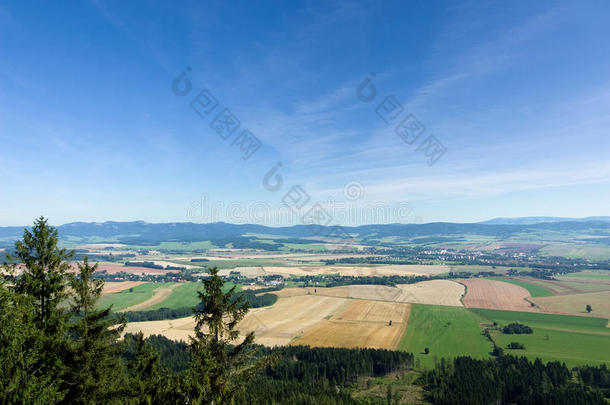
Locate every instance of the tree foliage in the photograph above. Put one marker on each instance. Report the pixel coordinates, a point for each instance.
(25, 375)
(94, 368)
(517, 329)
(43, 278)
(506, 379)
(219, 368)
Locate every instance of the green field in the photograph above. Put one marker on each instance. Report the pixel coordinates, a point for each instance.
(574, 340)
(605, 275)
(124, 299)
(577, 251)
(534, 290)
(446, 331)
(185, 295)
(316, 247)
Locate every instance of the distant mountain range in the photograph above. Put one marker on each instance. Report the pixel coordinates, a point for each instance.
(144, 233)
(538, 220)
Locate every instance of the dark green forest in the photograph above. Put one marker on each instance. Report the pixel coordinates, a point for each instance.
(58, 347)
(515, 380)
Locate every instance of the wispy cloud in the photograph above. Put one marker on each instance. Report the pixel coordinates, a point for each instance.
(469, 185)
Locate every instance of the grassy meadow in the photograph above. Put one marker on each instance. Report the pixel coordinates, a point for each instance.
(600, 275)
(446, 331)
(185, 295)
(573, 340)
(126, 298)
(316, 247)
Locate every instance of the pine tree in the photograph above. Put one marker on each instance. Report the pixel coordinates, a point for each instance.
(219, 369)
(44, 275)
(95, 372)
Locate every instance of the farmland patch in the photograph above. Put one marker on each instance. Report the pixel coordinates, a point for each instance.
(575, 340)
(446, 332)
(492, 294)
(576, 304)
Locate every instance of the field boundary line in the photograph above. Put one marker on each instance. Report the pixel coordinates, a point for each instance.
(464, 294)
(398, 338)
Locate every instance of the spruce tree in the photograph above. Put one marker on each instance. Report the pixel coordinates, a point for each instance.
(43, 277)
(219, 368)
(95, 372)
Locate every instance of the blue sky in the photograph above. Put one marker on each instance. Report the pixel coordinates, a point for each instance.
(518, 94)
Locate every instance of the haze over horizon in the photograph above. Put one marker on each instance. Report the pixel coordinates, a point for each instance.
(490, 221)
(95, 133)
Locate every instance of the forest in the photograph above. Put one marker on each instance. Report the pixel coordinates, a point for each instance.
(311, 375)
(509, 379)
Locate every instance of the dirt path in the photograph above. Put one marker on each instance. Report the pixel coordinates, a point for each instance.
(159, 295)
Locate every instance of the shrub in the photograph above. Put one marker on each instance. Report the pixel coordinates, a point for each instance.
(517, 329)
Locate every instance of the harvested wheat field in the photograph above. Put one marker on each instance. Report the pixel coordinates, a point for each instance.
(253, 271)
(362, 324)
(175, 329)
(433, 292)
(309, 319)
(381, 270)
(493, 294)
(575, 304)
(374, 311)
(366, 292)
(273, 326)
(116, 286)
(295, 292)
(159, 295)
(290, 317)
